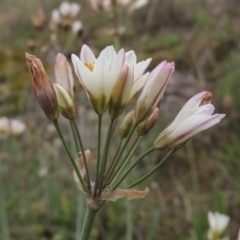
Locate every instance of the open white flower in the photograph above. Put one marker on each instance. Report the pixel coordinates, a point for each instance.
(99, 75)
(153, 90)
(194, 117)
(217, 222)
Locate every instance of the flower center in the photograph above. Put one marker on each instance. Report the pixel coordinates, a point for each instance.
(90, 66)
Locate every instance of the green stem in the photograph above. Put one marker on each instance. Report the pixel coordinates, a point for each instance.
(88, 223)
(69, 153)
(105, 155)
(83, 154)
(74, 137)
(125, 161)
(110, 167)
(122, 150)
(98, 153)
(132, 166)
(153, 170)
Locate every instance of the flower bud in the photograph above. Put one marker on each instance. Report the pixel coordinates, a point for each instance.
(145, 126)
(63, 74)
(65, 102)
(43, 87)
(127, 124)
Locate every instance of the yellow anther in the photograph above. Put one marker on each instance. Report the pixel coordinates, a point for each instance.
(90, 66)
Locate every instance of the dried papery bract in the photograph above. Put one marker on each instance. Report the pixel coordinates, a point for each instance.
(43, 87)
(108, 194)
(194, 117)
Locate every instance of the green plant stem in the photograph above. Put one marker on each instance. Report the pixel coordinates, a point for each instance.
(75, 137)
(153, 170)
(83, 154)
(122, 151)
(69, 153)
(125, 161)
(112, 163)
(132, 166)
(105, 155)
(98, 154)
(88, 223)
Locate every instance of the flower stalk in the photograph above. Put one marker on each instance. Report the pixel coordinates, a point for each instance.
(88, 223)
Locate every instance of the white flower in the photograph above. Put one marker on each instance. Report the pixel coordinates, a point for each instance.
(99, 75)
(77, 26)
(55, 16)
(217, 222)
(65, 9)
(194, 117)
(75, 8)
(10, 126)
(153, 90)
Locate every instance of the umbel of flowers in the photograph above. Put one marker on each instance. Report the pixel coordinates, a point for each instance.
(110, 81)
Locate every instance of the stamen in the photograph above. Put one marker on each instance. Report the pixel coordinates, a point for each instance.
(90, 66)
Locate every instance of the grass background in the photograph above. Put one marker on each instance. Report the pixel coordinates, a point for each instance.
(38, 197)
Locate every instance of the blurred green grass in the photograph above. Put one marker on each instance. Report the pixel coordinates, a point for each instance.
(38, 195)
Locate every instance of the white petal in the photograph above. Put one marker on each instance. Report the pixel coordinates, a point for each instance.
(222, 221)
(87, 55)
(194, 125)
(101, 73)
(158, 83)
(106, 53)
(84, 75)
(131, 57)
(211, 220)
(206, 109)
(140, 68)
(137, 85)
(115, 69)
(190, 107)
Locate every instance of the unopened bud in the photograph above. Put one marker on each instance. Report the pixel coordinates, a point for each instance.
(63, 74)
(127, 124)
(65, 102)
(43, 88)
(145, 126)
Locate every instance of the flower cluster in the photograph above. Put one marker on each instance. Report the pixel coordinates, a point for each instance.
(65, 17)
(110, 81)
